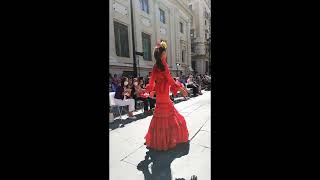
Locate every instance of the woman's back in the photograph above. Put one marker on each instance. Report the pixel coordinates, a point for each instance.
(161, 86)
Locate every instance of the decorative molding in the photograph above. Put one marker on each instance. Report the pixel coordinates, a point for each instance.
(163, 31)
(146, 22)
(120, 8)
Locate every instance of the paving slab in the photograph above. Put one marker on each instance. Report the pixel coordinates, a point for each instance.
(197, 163)
(124, 171)
(203, 138)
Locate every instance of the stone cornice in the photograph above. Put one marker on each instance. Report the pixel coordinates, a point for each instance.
(184, 8)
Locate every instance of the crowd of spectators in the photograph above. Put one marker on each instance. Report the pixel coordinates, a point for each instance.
(129, 90)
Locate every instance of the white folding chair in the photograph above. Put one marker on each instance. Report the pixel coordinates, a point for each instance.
(113, 104)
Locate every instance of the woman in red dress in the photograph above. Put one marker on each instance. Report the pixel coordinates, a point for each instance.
(168, 127)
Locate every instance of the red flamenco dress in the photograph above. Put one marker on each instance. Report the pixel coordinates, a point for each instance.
(168, 127)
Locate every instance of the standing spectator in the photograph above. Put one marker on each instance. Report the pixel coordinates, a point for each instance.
(122, 97)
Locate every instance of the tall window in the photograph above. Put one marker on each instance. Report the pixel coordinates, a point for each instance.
(205, 22)
(190, 7)
(146, 45)
(182, 55)
(193, 65)
(121, 39)
(181, 27)
(162, 16)
(144, 5)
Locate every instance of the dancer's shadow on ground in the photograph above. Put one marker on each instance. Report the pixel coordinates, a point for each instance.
(161, 162)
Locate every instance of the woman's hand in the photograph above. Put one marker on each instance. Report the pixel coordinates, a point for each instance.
(126, 93)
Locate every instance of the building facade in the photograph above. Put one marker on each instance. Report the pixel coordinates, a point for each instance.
(200, 35)
(169, 20)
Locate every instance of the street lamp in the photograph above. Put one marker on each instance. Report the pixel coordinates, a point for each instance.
(177, 69)
(133, 42)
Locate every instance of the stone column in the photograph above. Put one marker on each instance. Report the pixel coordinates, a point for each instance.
(177, 36)
(188, 44)
(172, 36)
(156, 20)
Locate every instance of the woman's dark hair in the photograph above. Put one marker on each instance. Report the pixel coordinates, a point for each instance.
(157, 55)
(123, 80)
(141, 81)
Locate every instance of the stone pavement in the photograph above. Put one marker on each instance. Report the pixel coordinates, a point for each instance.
(127, 148)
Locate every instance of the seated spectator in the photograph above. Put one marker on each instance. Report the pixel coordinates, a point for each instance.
(183, 86)
(193, 85)
(130, 84)
(147, 78)
(114, 86)
(177, 79)
(172, 96)
(139, 95)
(141, 83)
(110, 87)
(115, 78)
(153, 96)
(182, 79)
(110, 78)
(199, 82)
(206, 81)
(122, 97)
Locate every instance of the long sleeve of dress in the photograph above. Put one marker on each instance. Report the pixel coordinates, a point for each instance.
(174, 87)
